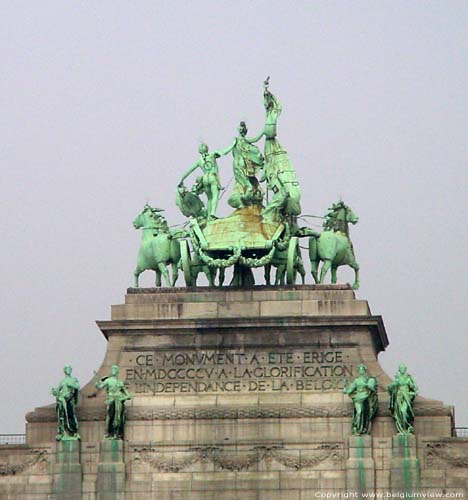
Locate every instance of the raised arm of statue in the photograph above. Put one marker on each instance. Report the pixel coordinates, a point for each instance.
(252, 140)
(189, 171)
(102, 383)
(271, 102)
(225, 151)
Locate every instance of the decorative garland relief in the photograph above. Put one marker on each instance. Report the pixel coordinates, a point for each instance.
(237, 462)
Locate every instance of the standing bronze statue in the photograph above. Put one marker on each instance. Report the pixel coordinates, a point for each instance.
(210, 179)
(363, 392)
(66, 396)
(402, 392)
(279, 171)
(117, 394)
(248, 160)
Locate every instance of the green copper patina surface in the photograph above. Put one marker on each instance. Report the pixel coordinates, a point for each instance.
(263, 230)
(334, 246)
(402, 392)
(279, 171)
(246, 165)
(66, 397)
(209, 183)
(117, 394)
(363, 392)
(159, 247)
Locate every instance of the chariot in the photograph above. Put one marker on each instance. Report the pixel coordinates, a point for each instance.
(244, 240)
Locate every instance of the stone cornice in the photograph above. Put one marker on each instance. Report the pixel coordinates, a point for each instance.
(236, 325)
(94, 413)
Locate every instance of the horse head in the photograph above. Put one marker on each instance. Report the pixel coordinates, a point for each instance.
(351, 216)
(338, 217)
(148, 218)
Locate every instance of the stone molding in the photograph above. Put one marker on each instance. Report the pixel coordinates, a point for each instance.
(437, 450)
(238, 461)
(218, 412)
(255, 288)
(35, 457)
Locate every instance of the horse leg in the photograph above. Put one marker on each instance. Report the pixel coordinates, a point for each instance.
(314, 264)
(303, 275)
(280, 273)
(158, 277)
(163, 269)
(221, 276)
(267, 274)
(210, 274)
(301, 270)
(136, 276)
(175, 273)
(354, 265)
(333, 274)
(326, 266)
(314, 258)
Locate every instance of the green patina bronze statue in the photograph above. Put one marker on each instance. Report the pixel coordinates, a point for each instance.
(159, 247)
(363, 392)
(334, 246)
(253, 235)
(66, 396)
(279, 171)
(402, 392)
(262, 231)
(117, 394)
(247, 163)
(209, 182)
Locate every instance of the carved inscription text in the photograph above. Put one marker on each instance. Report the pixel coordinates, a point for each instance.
(230, 371)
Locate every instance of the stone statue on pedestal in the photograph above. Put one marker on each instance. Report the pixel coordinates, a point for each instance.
(363, 392)
(66, 395)
(402, 392)
(117, 394)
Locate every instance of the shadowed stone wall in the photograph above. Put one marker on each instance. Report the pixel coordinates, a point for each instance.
(237, 395)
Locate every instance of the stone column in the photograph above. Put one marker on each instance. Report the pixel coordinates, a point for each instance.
(111, 471)
(67, 472)
(404, 473)
(360, 467)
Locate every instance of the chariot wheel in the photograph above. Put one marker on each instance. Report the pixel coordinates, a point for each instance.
(186, 263)
(291, 268)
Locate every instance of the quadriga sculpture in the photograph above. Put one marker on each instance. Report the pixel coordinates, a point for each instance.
(333, 247)
(159, 247)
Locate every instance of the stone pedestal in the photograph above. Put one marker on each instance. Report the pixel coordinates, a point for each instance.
(110, 484)
(360, 467)
(237, 395)
(67, 471)
(405, 465)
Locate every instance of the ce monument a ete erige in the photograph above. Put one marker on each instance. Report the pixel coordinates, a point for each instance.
(238, 391)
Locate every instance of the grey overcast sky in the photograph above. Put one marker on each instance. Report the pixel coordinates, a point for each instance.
(104, 105)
